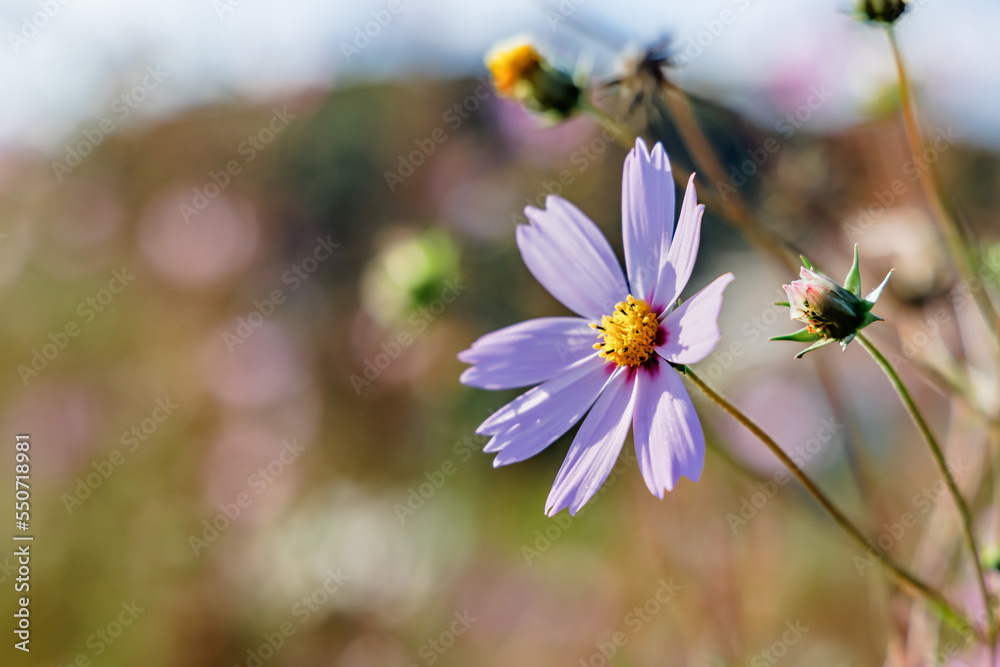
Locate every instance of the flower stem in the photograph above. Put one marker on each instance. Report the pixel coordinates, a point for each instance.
(909, 582)
(963, 508)
(958, 237)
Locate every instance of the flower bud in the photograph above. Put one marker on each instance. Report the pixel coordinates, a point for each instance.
(827, 308)
(830, 311)
(521, 73)
(883, 11)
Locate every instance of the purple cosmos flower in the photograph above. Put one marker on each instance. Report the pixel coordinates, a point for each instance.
(612, 360)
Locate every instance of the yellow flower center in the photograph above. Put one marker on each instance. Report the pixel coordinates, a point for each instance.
(629, 335)
(512, 65)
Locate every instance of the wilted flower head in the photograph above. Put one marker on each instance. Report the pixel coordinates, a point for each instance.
(831, 312)
(883, 11)
(644, 76)
(520, 72)
(616, 358)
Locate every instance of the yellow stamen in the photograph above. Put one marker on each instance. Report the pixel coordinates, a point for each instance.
(510, 65)
(629, 335)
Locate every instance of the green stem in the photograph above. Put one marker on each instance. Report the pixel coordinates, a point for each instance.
(909, 582)
(958, 237)
(963, 508)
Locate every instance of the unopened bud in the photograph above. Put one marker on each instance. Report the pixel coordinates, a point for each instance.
(521, 73)
(883, 11)
(831, 312)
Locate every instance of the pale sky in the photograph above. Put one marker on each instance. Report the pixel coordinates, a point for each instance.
(64, 65)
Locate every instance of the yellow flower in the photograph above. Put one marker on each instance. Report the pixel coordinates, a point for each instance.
(520, 72)
(511, 63)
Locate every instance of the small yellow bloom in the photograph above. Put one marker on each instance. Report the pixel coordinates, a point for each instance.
(511, 63)
(520, 72)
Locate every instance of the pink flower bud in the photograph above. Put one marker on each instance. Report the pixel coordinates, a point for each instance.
(827, 308)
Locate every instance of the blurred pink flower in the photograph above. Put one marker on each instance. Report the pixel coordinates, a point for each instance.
(263, 369)
(64, 419)
(202, 250)
(539, 144)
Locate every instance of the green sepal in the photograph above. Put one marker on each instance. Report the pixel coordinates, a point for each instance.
(869, 319)
(782, 303)
(815, 346)
(806, 263)
(801, 336)
(877, 292)
(680, 368)
(853, 281)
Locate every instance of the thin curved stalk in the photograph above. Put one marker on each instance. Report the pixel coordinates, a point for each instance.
(959, 240)
(936, 452)
(916, 587)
